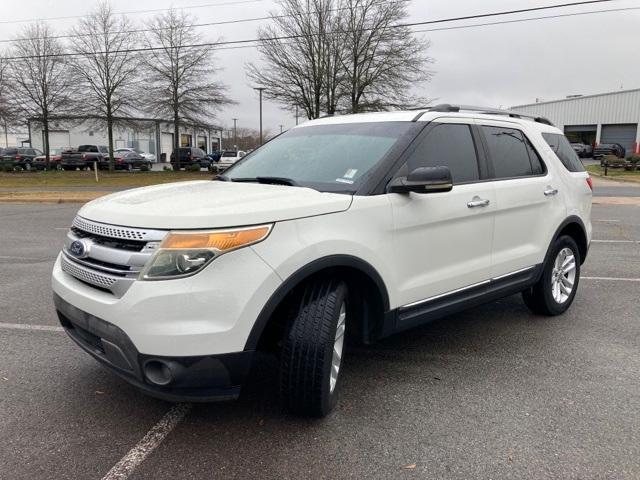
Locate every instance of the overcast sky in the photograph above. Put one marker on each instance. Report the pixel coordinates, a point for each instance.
(498, 65)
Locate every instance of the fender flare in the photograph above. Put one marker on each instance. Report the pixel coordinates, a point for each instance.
(299, 275)
(567, 221)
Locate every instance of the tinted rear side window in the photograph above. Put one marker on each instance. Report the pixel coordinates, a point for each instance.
(448, 145)
(563, 150)
(508, 149)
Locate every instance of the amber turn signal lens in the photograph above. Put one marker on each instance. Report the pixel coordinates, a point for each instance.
(221, 240)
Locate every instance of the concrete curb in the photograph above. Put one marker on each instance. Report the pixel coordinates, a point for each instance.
(50, 197)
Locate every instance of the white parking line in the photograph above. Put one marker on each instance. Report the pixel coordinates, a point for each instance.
(21, 326)
(612, 279)
(11, 257)
(125, 467)
(615, 241)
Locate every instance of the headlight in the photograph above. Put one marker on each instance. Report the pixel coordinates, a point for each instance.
(184, 253)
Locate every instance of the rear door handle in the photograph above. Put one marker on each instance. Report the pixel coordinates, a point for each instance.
(550, 192)
(477, 202)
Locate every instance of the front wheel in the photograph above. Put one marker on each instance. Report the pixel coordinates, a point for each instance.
(313, 348)
(556, 289)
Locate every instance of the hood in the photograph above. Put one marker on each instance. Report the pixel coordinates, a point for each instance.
(211, 204)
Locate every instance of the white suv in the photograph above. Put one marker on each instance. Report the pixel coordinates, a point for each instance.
(355, 226)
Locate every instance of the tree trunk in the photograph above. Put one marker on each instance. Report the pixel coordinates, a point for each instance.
(112, 164)
(176, 138)
(45, 127)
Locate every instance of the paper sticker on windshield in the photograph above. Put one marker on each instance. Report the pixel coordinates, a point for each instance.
(350, 173)
(344, 180)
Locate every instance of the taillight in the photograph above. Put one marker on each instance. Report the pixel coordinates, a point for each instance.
(18, 157)
(590, 183)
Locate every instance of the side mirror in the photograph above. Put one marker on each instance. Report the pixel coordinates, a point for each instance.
(424, 180)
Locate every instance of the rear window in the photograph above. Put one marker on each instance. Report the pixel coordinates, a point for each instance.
(229, 154)
(509, 152)
(11, 151)
(563, 150)
(88, 148)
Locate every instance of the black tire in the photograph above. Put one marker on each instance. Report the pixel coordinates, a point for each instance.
(307, 351)
(540, 298)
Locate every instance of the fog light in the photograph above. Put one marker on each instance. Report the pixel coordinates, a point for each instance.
(158, 372)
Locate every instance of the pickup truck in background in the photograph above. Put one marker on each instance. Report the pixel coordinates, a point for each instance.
(83, 157)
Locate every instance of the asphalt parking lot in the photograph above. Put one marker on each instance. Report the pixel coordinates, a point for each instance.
(494, 392)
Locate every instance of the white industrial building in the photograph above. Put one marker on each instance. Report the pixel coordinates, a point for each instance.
(142, 133)
(595, 119)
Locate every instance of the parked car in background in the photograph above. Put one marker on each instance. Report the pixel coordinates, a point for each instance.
(229, 157)
(190, 156)
(83, 157)
(148, 156)
(55, 157)
(609, 149)
(20, 157)
(125, 160)
(214, 156)
(583, 150)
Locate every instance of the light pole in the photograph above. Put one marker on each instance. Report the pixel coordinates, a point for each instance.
(296, 114)
(235, 132)
(260, 89)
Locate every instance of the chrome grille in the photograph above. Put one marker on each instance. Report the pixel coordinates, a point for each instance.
(111, 262)
(113, 231)
(86, 275)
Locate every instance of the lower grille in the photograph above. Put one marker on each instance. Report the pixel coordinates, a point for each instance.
(93, 278)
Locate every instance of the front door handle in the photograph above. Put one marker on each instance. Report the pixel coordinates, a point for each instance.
(477, 202)
(550, 191)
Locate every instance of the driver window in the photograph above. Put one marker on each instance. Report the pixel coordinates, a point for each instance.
(449, 145)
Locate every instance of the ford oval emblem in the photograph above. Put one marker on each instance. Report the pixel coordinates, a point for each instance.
(79, 249)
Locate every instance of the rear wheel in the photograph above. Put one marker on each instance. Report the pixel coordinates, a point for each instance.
(556, 289)
(313, 348)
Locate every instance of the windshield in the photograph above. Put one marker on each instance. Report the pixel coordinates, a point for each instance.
(326, 157)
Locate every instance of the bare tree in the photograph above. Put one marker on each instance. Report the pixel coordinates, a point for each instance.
(102, 43)
(41, 82)
(246, 138)
(302, 70)
(180, 81)
(6, 111)
(383, 60)
(348, 55)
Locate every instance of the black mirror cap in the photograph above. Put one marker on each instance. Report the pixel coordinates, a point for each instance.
(424, 180)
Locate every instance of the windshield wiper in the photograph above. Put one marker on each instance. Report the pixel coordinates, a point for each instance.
(269, 181)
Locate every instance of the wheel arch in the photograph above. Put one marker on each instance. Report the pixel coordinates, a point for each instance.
(362, 278)
(572, 226)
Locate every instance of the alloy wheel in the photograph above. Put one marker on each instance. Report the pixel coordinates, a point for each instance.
(338, 347)
(563, 275)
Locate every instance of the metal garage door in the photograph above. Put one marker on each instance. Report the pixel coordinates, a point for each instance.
(59, 139)
(625, 135)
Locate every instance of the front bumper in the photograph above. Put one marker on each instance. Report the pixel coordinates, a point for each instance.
(194, 378)
(210, 313)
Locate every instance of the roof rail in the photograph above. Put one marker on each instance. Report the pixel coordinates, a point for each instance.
(445, 107)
